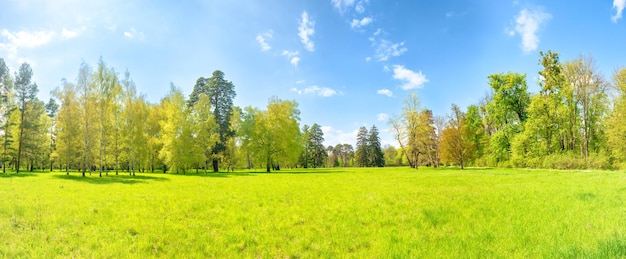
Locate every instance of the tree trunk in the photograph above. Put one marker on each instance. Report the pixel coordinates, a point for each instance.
(216, 167)
(19, 145)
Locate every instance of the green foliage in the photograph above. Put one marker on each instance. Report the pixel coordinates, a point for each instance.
(272, 137)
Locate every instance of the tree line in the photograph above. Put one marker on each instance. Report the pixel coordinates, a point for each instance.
(99, 123)
(576, 120)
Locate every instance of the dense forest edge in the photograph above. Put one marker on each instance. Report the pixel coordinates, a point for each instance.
(99, 123)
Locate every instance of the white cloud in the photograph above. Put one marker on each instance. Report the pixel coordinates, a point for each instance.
(385, 91)
(356, 23)
(386, 49)
(294, 61)
(527, 24)
(334, 136)
(382, 117)
(262, 38)
(618, 5)
(133, 33)
(316, 90)
(367, 59)
(305, 31)
(410, 78)
(68, 34)
(360, 8)
(19, 40)
(25, 39)
(386, 68)
(342, 5)
(299, 82)
(293, 57)
(378, 31)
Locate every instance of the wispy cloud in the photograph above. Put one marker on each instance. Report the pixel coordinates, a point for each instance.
(382, 117)
(26, 39)
(262, 39)
(293, 57)
(527, 24)
(385, 49)
(360, 6)
(134, 34)
(618, 5)
(356, 23)
(342, 5)
(19, 40)
(410, 79)
(316, 90)
(385, 91)
(306, 30)
(68, 34)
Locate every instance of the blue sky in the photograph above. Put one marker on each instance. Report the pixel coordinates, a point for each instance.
(348, 63)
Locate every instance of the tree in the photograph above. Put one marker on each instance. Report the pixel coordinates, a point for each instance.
(207, 134)
(87, 104)
(506, 111)
(52, 109)
(391, 156)
(546, 111)
(456, 147)
(26, 92)
(106, 90)
(68, 126)
(616, 124)
(589, 103)
(221, 94)
(273, 136)
(176, 135)
(475, 130)
(7, 105)
(315, 144)
(362, 147)
(375, 153)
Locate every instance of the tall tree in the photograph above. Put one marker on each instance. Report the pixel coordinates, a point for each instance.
(52, 108)
(405, 129)
(316, 146)
(87, 104)
(176, 136)
(456, 146)
(206, 136)
(362, 147)
(616, 124)
(221, 94)
(68, 126)
(590, 102)
(506, 111)
(273, 136)
(26, 92)
(376, 155)
(7, 105)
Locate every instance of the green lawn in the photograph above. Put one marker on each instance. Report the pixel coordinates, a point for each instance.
(381, 212)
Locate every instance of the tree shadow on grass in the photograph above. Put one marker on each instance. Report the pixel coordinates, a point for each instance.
(14, 175)
(111, 179)
(214, 174)
(302, 171)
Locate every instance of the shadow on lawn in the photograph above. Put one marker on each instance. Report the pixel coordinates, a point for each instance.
(214, 174)
(123, 179)
(14, 175)
(302, 171)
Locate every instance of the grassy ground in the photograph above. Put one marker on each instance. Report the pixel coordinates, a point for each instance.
(360, 213)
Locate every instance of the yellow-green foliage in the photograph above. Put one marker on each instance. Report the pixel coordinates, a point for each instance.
(358, 213)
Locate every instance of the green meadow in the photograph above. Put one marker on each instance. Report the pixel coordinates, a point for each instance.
(358, 213)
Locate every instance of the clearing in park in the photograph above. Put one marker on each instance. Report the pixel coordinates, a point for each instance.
(354, 212)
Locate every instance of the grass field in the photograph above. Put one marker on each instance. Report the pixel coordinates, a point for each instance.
(382, 212)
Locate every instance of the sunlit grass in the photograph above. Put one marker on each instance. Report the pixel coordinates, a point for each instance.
(381, 212)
